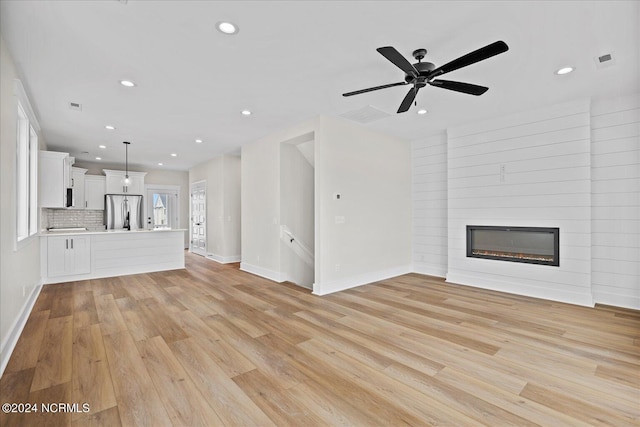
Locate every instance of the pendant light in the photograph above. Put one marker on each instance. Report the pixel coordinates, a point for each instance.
(126, 165)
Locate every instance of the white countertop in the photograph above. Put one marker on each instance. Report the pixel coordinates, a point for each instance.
(76, 232)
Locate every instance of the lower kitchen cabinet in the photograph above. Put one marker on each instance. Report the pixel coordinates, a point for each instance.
(95, 254)
(68, 255)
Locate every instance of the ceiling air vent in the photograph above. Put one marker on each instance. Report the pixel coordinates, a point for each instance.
(606, 60)
(365, 115)
(75, 106)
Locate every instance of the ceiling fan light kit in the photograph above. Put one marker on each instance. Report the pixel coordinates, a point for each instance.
(421, 73)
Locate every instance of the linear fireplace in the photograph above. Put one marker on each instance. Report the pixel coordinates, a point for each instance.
(532, 245)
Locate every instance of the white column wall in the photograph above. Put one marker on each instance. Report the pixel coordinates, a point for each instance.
(615, 211)
(545, 154)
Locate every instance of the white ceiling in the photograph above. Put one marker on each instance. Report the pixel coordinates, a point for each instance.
(292, 61)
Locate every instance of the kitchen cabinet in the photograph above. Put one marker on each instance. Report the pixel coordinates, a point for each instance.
(115, 182)
(78, 187)
(54, 178)
(94, 191)
(68, 255)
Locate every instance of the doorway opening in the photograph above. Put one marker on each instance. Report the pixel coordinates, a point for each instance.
(297, 209)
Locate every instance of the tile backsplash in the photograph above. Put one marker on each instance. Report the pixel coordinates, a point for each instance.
(59, 218)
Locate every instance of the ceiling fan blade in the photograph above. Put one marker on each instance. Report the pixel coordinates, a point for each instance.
(408, 100)
(398, 60)
(356, 92)
(460, 87)
(471, 58)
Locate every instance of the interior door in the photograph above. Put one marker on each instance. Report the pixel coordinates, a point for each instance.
(198, 219)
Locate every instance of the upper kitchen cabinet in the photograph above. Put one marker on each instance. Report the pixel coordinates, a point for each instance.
(78, 187)
(116, 184)
(54, 179)
(94, 191)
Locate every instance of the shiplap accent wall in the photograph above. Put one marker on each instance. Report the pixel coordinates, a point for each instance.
(615, 212)
(526, 169)
(429, 191)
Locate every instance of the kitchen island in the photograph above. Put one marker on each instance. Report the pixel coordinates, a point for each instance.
(80, 255)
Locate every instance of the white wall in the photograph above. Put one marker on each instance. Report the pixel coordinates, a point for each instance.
(222, 175)
(232, 207)
(372, 173)
(260, 200)
(19, 269)
(429, 193)
(615, 212)
(547, 183)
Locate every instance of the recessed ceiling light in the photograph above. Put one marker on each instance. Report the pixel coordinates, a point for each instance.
(246, 112)
(198, 141)
(102, 146)
(127, 83)
(160, 164)
(98, 158)
(564, 70)
(109, 127)
(422, 111)
(174, 155)
(227, 27)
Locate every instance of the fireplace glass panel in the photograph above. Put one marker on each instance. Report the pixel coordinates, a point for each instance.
(534, 245)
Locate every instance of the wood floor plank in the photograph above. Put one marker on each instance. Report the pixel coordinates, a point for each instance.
(231, 404)
(107, 418)
(513, 403)
(140, 326)
(54, 361)
(223, 353)
(25, 354)
(51, 397)
(184, 404)
(91, 379)
(276, 402)
(259, 354)
(576, 408)
(154, 312)
(111, 320)
(138, 400)
(14, 388)
(224, 347)
(84, 309)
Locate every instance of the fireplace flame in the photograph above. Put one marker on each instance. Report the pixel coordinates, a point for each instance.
(513, 255)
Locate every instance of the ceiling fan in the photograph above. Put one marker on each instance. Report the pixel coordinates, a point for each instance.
(421, 73)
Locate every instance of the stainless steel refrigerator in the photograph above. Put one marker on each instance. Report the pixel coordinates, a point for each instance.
(122, 211)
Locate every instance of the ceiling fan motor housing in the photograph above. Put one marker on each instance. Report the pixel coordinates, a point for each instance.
(423, 68)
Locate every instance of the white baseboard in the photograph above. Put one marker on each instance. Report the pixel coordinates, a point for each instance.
(429, 270)
(10, 341)
(584, 299)
(624, 301)
(276, 276)
(224, 259)
(358, 280)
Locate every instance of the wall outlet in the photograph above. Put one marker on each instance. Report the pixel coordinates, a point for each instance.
(258, 258)
(339, 219)
(337, 268)
(24, 291)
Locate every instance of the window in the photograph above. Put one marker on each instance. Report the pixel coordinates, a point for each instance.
(163, 206)
(26, 169)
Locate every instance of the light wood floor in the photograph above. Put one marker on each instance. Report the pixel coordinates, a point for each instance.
(214, 346)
